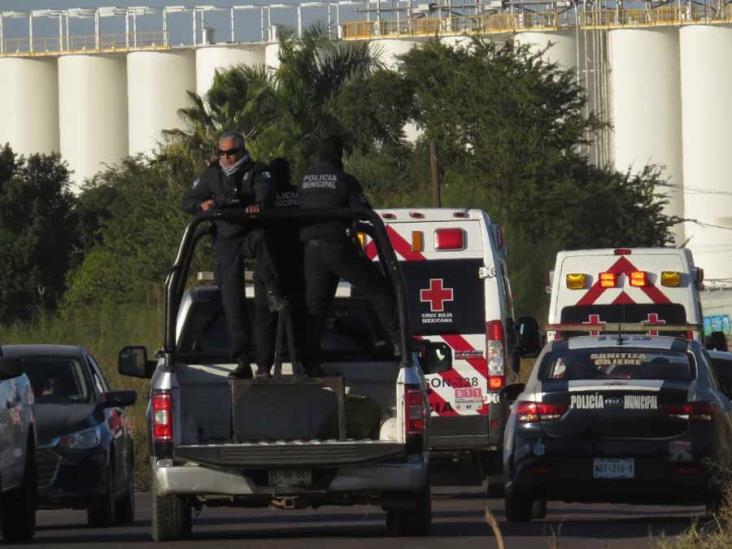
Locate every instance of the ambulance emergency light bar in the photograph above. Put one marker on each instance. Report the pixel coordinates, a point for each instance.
(623, 327)
(637, 279)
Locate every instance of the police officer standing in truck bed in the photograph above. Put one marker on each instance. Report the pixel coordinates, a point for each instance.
(330, 253)
(236, 181)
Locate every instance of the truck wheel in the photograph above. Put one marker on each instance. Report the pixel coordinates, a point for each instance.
(171, 516)
(124, 507)
(518, 507)
(414, 521)
(19, 506)
(101, 513)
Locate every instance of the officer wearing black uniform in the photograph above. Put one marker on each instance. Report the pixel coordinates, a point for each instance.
(287, 253)
(236, 181)
(330, 253)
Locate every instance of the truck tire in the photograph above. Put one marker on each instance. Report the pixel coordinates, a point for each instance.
(413, 521)
(171, 517)
(124, 507)
(19, 505)
(518, 506)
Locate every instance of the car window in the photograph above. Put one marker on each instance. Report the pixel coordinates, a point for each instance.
(57, 380)
(612, 363)
(723, 369)
(706, 371)
(99, 381)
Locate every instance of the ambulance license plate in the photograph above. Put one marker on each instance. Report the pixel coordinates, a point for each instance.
(290, 477)
(613, 468)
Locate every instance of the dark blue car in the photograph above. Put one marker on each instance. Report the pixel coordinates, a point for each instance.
(84, 458)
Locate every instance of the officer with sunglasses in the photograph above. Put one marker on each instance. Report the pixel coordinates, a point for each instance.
(237, 181)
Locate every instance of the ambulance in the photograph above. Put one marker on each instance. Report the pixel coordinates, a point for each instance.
(651, 287)
(458, 292)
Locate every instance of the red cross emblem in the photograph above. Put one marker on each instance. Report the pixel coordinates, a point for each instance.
(654, 319)
(436, 295)
(594, 320)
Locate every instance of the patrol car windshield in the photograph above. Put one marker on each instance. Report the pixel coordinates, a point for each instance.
(615, 363)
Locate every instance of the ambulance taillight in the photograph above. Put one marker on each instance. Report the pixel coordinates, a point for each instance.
(639, 279)
(449, 239)
(495, 352)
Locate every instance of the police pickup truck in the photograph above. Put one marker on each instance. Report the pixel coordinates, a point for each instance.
(356, 436)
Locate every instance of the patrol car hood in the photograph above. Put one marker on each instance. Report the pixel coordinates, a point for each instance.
(617, 409)
(54, 420)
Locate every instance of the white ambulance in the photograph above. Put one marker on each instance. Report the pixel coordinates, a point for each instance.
(652, 286)
(458, 292)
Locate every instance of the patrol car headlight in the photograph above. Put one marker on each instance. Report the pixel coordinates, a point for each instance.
(82, 440)
(576, 281)
(671, 279)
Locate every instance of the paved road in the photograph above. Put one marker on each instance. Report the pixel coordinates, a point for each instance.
(458, 523)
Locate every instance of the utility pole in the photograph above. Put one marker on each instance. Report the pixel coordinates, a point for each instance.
(436, 198)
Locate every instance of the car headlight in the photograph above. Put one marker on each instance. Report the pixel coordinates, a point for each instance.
(82, 440)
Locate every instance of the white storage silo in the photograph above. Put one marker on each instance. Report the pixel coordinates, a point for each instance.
(388, 50)
(211, 58)
(706, 81)
(92, 112)
(646, 107)
(562, 46)
(157, 86)
(29, 105)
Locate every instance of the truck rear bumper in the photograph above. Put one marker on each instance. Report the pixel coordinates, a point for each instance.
(367, 478)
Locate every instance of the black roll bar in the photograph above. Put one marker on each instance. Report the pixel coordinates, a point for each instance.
(175, 281)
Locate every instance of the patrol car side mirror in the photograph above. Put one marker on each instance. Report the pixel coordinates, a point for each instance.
(529, 345)
(435, 357)
(132, 361)
(511, 392)
(9, 368)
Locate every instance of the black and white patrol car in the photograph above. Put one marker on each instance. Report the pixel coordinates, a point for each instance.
(616, 418)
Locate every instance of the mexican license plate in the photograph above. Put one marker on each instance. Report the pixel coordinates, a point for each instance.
(290, 477)
(613, 468)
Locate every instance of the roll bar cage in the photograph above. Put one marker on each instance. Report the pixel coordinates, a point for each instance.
(202, 225)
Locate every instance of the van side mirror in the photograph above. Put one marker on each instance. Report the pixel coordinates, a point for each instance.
(132, 361)
(10, 368)
(435, 357)
(529, 344)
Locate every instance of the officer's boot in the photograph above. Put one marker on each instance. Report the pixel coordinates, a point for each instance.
(243, 369)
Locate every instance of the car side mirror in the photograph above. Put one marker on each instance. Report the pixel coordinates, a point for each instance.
(10, 368)
(529, 344)
(435, 357)
(132, 361)
(119, 399)
(511, 392)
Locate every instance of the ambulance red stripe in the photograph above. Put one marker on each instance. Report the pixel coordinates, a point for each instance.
(460, 344)
(402, 247)
(622, 266)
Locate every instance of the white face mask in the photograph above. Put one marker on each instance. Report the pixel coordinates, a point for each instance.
(228, 170)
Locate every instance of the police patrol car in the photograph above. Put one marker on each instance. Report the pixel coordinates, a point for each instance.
(657, 286)
(458, 292)
(616, 418)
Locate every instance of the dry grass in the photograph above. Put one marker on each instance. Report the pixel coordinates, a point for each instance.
(713, 534)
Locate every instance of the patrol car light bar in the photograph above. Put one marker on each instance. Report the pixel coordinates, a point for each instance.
(623, 327)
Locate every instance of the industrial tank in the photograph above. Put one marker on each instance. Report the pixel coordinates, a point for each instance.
(646, 107)
(388, 50)
(29, 105)
(211, 58)
(92, 112)
(706, 81)
(157, 86)
(272, 56)
(563, 47)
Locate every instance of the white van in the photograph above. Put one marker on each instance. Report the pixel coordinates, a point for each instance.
(653, 286)
(458, 292)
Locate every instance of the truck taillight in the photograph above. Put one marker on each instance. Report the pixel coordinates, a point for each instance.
(414, 411)
(691, 411)
(495, 350)
(162, 416)
(534, 412)
(449, 239)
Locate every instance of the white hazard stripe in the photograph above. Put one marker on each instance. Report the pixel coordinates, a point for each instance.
(581, 385)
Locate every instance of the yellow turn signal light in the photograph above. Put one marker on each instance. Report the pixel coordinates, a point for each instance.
(671, 279)
(576, 281)
(362, 239)
(417, 241)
